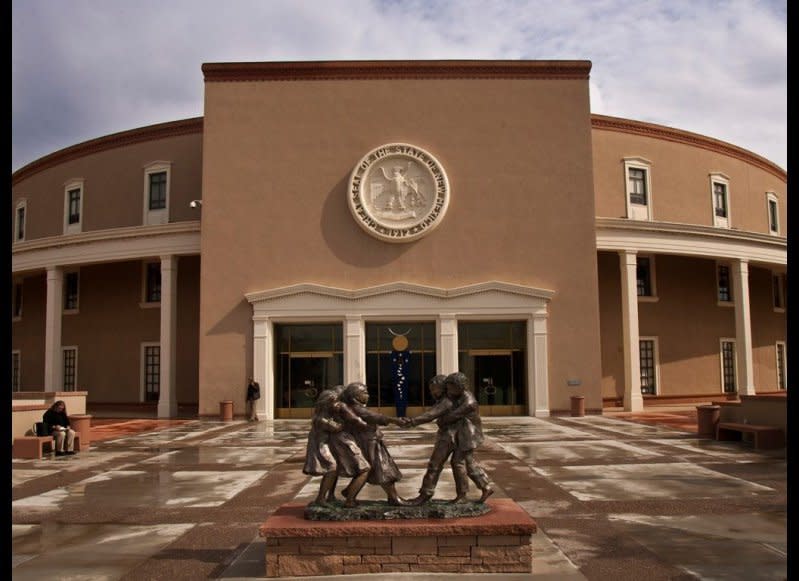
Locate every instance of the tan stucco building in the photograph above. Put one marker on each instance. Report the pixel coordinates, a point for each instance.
(324, 220)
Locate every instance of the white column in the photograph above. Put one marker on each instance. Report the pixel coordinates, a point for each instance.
(743, 327)
(167, 400)
(537, 367)
(53, 358)
(633, 401)
(263, 366)
(354, 349)
(447, 344)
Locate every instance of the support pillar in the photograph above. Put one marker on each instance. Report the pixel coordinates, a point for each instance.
(447, 344)
(354, 349)
(537, 371)
(262, 363)
(167, 399)
(743, 328)
(53, 358)
(633, 400)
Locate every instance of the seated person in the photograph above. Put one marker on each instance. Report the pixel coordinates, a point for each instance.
(58, 423)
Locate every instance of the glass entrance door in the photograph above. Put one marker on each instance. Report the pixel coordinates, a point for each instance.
(493, 379)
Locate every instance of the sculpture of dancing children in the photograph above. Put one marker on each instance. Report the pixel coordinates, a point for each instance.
(459, 433)
(331, 450)
(384, 470)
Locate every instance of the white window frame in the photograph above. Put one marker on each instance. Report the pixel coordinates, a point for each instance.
(144, 303)
(723, 340)
(784, 346)
(719, 302)
(22, 204)
(656, 356)
(17, 282)
(65, 310)
(71, 185)
(771, 198)
(638, 211)
(64, 349)
(142, 371)
(653, 298)
(18, 379)
(778, 281)
(723, 179)
(160, 216)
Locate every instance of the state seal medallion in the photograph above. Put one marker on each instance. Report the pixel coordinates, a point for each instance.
(398, 192)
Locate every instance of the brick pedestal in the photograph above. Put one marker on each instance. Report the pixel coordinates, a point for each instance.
(497, 542)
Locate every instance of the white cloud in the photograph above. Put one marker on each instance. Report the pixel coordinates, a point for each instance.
(86, 68)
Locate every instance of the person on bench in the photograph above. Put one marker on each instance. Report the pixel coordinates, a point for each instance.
(57, 421)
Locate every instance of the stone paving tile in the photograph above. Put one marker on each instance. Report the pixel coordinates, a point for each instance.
(230, 457)
(610, 451)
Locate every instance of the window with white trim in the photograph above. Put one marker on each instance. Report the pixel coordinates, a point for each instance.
(720, 199)
(773, 210)
(648, 355)
(19, 221)
(151, 284)
(156, 193)
(724, 284)
(729, 373)
(638, 188)
(645, 277)
(782, 366)
(70, 368)
(16, 365)
(16, 301)
(71, 291)
(151, 371)
(73, 207)
(778, 291)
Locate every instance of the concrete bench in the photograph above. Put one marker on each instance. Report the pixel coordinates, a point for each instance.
(33, 446)
(765, 437)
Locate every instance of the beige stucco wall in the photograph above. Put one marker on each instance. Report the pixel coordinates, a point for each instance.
(680, 179)
(277, 157)
(27, 334)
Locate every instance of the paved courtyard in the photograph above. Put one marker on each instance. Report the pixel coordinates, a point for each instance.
(613, 498)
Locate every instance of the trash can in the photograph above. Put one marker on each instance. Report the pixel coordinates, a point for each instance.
(707, 418)
(226, 410)
(578, 406)
(82, 424)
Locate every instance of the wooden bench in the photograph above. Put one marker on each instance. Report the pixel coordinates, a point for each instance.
(765, 437)
(33, 446)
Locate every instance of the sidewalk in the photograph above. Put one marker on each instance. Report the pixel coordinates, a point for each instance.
(617, 496)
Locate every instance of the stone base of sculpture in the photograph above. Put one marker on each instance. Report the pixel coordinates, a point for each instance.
(496, 542)
(382, 510)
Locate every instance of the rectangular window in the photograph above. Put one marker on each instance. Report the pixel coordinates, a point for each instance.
(16, 308)
(70, 368)
(20, 223)
(157, 190)
(778, 291)
(152, 292)
(720, 199)
(724, 286)
(71, 284)
(728, 366)
(782, 381)
(637, 177)
(643, 273)
(648, 354)
(152, 372)
(73, 205)
(773, 209)
(15, 370)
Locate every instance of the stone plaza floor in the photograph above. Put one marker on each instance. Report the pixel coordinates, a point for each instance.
(616, 496)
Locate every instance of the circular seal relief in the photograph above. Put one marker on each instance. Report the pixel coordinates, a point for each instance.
(398, 192)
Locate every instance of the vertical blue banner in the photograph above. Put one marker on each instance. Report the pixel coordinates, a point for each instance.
(399, 375)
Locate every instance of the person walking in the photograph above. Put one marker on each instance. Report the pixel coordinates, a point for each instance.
(253, 395)
(57, 422)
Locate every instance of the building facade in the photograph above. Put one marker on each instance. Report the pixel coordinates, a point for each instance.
(329, 222)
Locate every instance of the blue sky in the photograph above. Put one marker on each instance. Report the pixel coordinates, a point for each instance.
(86, 68)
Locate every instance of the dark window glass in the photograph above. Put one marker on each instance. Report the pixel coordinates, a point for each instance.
(70, 368)
(643, 273)
(71, 291)
(17, 304)
(720, 199)
(773, 220)
(21, 223)
(152, 372)
(781, 383)
(725, 290)
(637, 186)
(158, 190)
(74, 206)
(728, 366)
(153, 290)
(779, 299)
(15, 372)
(647, 355)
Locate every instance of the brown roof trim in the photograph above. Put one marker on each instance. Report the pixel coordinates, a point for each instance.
(603, 122)
(129, 137)
(363, 70)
